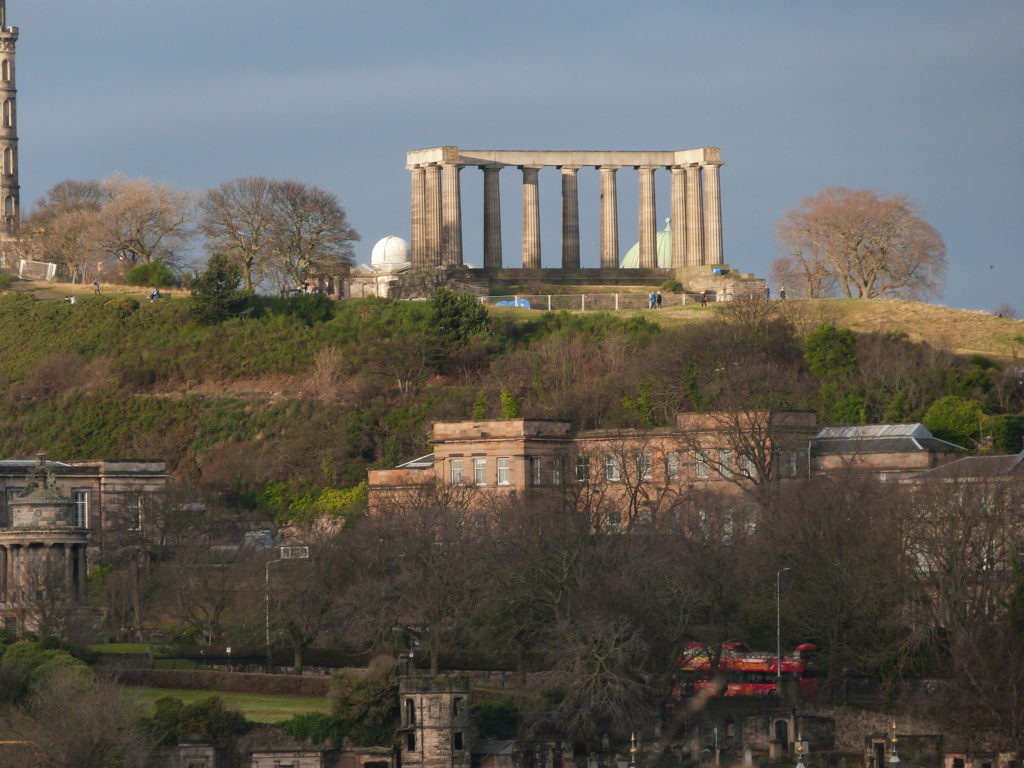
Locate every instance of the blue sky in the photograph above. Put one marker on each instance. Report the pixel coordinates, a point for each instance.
(924, 98)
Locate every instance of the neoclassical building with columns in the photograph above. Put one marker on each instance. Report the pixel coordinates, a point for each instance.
(695, 223)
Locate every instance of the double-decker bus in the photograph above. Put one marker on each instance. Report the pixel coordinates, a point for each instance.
(740, 671)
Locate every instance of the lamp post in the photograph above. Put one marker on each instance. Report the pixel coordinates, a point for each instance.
(285, 553)
(778, 628)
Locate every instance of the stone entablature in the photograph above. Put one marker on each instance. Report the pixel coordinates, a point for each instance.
(696, 207)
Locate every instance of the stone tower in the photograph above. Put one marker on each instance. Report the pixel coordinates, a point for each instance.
(435, 722)
(10, 203)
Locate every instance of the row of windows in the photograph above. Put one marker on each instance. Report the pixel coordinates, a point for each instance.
(132, 509)
(614, 471)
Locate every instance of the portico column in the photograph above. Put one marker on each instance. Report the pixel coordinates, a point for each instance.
(66, 562)
(3, 573)
(694, 217)
(531, 217)
(452, 214)
(678, 217)
(609, 218)
(712, 214)
(432, 210)
(492, 217)
(570, 217)
(648, 224)
(83, 572)
(419, 227)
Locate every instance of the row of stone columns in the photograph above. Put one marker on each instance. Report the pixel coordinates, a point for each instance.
(18, 560)
(695, 208)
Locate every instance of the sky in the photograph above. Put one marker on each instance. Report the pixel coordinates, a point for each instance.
(917, 97)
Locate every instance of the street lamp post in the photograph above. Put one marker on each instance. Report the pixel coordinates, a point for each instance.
(778, 629)
(285, 553)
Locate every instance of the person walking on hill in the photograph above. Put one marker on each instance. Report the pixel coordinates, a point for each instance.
(657, 300)
(704, 298)
(96, 286)
(651, 299)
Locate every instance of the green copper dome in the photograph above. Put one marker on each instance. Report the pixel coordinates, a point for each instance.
(662, 244)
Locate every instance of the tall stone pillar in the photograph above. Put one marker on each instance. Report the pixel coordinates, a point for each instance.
(452, 214)
(10, 195)
(67, 565)
(609, 218)
(694, 217)
(531, 217)
(712, 214)
(492, 217)
(678, 216)
(82, 563)
(648, 224)
(433, 215)
(570, 217)
(419, 216)
(3, 573)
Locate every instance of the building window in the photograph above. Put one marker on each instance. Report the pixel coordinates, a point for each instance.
(535, 470)
(725, 463)
(81, 497)
(727, 529)
(612, 469)
(8, 161)
(5, 70)
(456, 706)
(749, 468)
(457, 472)
(556, 470)
(790, 459)
(8, 113)
(7, 517)
(644, 466)
(582, 469)
(457, 741)
(133, 513)
(614, 521)
(504, 472)
(410, 742)
(480, 471)
(8, 206)
(410, 712)
(672, 466)
(701, 466)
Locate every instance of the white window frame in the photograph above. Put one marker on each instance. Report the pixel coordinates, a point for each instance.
(479, 471)
(556, 470)
(81, 498)
(133, 513)
(582, 469)
(504, 466)
(644, 466)
(725, 462)
(700, 466)
(672, 465)
(458, 472)
(612, 468)
(536, 470)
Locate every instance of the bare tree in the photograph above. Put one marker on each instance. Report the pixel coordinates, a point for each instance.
(871, 246)
(238, 219)
(141, 221)
(311, 234)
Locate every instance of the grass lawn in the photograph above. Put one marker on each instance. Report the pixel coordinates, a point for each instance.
(256, 707)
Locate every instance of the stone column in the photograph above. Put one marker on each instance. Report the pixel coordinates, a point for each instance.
(3, 573)
(531, 217)
(570, 217)
(432, 210)
(419, 215)
(452, 214)
(648, 224)
(678, 216)
(712, 214)
(67, 563)
(82, 561)
(609, 218)
(694, 217)
(492, 217)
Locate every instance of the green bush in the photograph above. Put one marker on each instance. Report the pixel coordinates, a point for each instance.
(367, 706)
(1007, 431)
(154, 273)
(208, 718)
(215, 293)
(672, 286)
(955, 419)
(6, 281)
(315, 728)
(496, 719)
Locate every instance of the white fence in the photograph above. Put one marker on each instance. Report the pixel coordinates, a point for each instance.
(604, 302)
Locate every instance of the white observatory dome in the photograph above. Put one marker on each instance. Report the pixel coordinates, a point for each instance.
(390, 251)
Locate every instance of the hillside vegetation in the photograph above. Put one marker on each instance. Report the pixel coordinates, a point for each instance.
(311, 392)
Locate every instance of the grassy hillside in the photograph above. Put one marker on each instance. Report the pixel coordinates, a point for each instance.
(310, 393)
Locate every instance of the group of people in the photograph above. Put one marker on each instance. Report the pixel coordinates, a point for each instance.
(654, 300)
